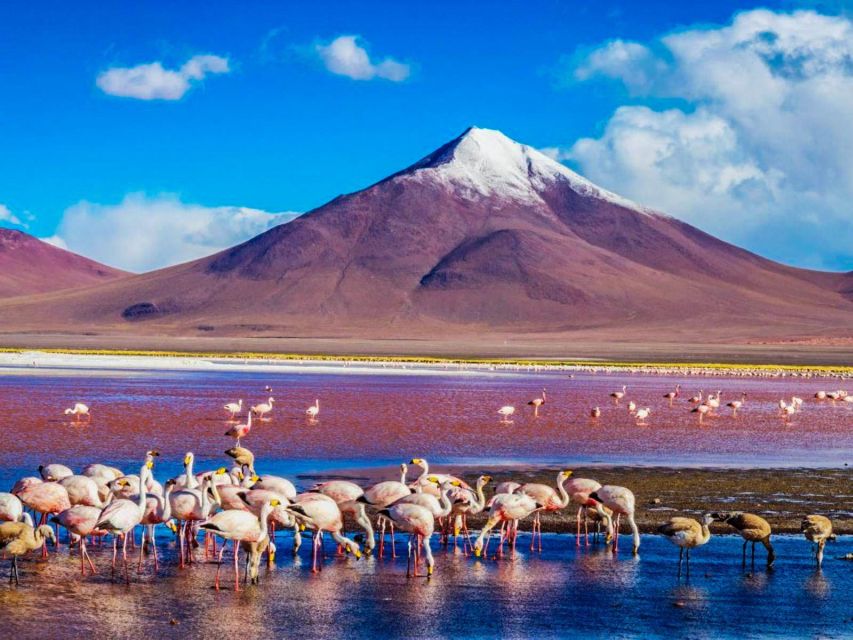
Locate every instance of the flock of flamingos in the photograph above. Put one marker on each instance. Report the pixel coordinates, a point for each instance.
(246, 508)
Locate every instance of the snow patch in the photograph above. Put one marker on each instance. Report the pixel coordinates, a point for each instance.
(485, 162)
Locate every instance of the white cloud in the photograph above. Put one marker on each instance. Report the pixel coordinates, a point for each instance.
(346, 56)
(7, 216)
(141, 233)
(154, 82)
(760, 154)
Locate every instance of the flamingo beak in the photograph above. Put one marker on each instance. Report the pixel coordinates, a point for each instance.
(477, 551)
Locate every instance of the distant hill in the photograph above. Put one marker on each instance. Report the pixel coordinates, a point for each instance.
(483, 235)
(29, 265)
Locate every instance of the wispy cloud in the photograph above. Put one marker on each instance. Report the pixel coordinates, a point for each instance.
(756, 144)
(347, 56)
(152, 81)
(6, 215)
(141, 233)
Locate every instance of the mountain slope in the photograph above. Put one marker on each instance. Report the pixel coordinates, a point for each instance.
(29, 265)
(482, 234)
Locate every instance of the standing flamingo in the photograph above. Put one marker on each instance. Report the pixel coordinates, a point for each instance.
(314, 410)
(264, 408)
(621, 502)
(81, 521)
(595, 412)
(323, 515)
(672, 395)
(579, 490)
(234, 408)
(419, 523)
(78, 411)
(817, 529)
(687, 534)
(537, 402)
(122, 515)
(509, 509)
(506, 412)
(239, 431)
(18, 538)
(618, 395)
(549, 498)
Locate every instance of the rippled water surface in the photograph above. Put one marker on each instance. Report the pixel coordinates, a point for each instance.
(374, 418)
(381, 419)
(562, 592)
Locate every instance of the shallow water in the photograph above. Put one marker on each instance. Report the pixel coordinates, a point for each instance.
(377, 419)
(565, 591)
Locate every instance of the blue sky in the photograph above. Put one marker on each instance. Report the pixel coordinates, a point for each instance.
(283, 129)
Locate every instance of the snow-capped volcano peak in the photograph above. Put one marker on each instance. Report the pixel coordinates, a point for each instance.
(487, 162)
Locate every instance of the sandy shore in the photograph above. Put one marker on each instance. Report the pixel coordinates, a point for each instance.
(37, 361)
(782, 496)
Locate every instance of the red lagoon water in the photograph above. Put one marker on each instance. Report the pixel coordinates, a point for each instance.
(373, 418)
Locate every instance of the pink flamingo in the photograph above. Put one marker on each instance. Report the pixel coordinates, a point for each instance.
(46, 498)
(509, 509)
(81, 521)
(621, 502)
(579, 490)
(419, 523)
(240, 430)
(549, 498)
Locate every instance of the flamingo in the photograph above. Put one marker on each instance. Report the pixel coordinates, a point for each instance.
(796, 402)
(506, 412)
(239, 526)
(595, 412)
(713, 401)
(11, 507)
(158, 510)
(537, 402)
(467, 503)
(696, 399)
(618, 395)
(276, 484)
(621, 502)
(234, 408)
(382, 495)
(509, 509)
(18, 538)
(702, 410)
(239, 431)
(54, 472)
(323, 515)
(817, 529)
(787, 410)
(419, 523)
(549, 498)
(82, 490)
(122, 515)
(314, 410)
(81, 521)
(78, 410)
(189, 506)
(687, 534)
(423, 480)
(737, 404)
(642, 414)
(46, 498)
(264, 408)
(752, 528)
(820, 395)
(632, 407)
(346, 495)
(243, 457)
(672, 395)
(579, 490)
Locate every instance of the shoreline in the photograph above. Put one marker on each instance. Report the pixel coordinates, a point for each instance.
(19, 360)
(780, 495)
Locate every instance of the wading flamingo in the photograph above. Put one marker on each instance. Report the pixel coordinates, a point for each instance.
(618, 395)
(323, 515)
(314, 410)
(18, 538)
(506, 508)
(78, 411)
(752, 528)
(687, 534)
(621, 502)
(538, 402)
(81, 521)
(234, 408)
(579, 490)
(672, 395)
(817, 529)
(419, 523)
(642, 414)
(551, 500)
(261, 410)
(595, 412)
(506, 412)
(240, 430)
(734, 405)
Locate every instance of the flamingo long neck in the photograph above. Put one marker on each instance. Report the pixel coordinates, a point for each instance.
(480, 503)
(564, 497)
(706, 533)
(143, 494)
(191, 482)
(266, 510)
(404, 470)
(167, 504)
(425, 466)
(444, 500)
(205, 500)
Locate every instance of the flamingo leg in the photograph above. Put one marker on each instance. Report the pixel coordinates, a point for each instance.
(218, 568)
(393, 547)
(124, 557)
(236, 566)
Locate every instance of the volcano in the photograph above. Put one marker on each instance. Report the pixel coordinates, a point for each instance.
(29, 265)
(484, 234)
